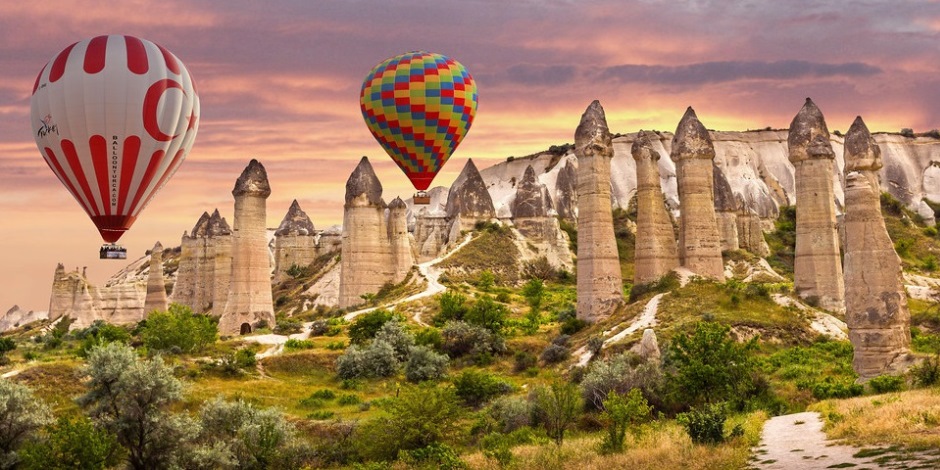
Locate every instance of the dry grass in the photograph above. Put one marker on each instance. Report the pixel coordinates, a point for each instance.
(910, 419)
(661, 446)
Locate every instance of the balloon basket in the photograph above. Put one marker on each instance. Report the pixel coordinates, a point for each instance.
(112, 252)
(421, 198)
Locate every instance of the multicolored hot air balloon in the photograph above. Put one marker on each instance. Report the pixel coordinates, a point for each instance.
(419, 106)
(114, 117)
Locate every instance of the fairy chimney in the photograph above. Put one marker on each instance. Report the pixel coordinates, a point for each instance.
(699, 239)
(295, 245)
(817, 267)
(600, 286)
(402, 254)
(365, 262)
(468, 201)
(156, 284)
(876, 311)
(249, 298)
(219, 236)
(655, 253)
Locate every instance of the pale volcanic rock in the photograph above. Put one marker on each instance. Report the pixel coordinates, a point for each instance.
(600, 286)
(192, 248)
(156, 284)
(74, 297)
(430, 235)
(17, 317)
(468, 200)
(750, 231)
(402, 253)
(725, 211)
(219, 252)
(699, 239)
(122, 303)
(566, 191)
(656, 254)
(876, 311)
(249, 298)
(295, 242)
(365, 262)
(532, 216)
(648, 347)
(817, 270)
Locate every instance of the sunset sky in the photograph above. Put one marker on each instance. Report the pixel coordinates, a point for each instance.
(279, 81)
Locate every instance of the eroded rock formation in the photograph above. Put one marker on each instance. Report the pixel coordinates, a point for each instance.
(295, 242)
(468, 202)
(817, 270)
(726, 213)
(600, 286)
(402, 255)
(699, 240)
(655, 253)
(249, 297)
(156, 299)
(566, 192)
(17, 317)
(875, 302)
(533, 217)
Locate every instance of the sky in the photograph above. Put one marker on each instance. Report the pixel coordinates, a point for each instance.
(279, 81)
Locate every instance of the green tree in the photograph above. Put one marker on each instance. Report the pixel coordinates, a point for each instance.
(708, 366)
(486, 280)
(421, 416)
(620, 412)
(475, 387)
(487, 313)
(178, 330)
(425, 364)
(453, 307)
(534, 293)
(21, 415)
(6, 345)
(130, 398)
(557, 407)
(73, 442)
(367, 325)
(101, 333)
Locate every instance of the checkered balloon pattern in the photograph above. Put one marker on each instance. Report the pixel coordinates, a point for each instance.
(419, 106)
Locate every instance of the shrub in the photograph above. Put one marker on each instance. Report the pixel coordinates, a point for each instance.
(245, 358)
(523, 360)
(349, 399)
(298, 344)
(376, 360)
(708, 366)
(510, 413)
(6, 345)
(22, 415)
(553, 354)
(101, 333)
(475, 387)
(421, 416)
(72, 442)
(430, 337)
(238, 434)
(319, 327)
(834, 388)
(395, 334)
(886, 383)
(620, 412)
(621, 374)
(573, 325)
(178, 329)
(288, 326)
(534, 293)
(487, 313)
(486, 280)
(594, 345)
(557, 408)
(453, 307)
(367, 325)
(323, 394)
(335, 345)
(439, 456)
(462, 339)
(926, 373)
(425, 364)
(705, 425)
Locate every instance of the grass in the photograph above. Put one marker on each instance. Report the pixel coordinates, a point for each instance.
(918, 251)
(493, 249)
(908, 419)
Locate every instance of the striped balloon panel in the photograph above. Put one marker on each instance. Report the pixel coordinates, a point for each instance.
(114, 117)
(419, 107)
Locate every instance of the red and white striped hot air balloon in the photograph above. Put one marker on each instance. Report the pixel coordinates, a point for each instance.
(114, 117)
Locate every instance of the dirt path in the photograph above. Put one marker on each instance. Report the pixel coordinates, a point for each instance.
(822, 322)
(645, 319)
(12, 373)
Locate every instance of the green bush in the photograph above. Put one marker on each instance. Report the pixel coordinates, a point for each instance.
(6, 345)
(72, 442)
(323, 394)
(553, 354)
(453, 307)
(509, 413)
(621, 412)
(705, 425)
(487, 313)
(534, 293)
(462, 339)
(100, 333)
(245, 358)
(401, 340)
(425, 364)
(288, 326)
(21, 416)
(439, 456)
(557, 408)
(349, 399)
(178, 330)
(926, 373)
(298, 344)
(621, 373)
(475, 387)
(523, 360)
(376, 360)
(708, 366)
(886, 383)
(367, 325)
(319, 327)
(833, 388)
(430, 337)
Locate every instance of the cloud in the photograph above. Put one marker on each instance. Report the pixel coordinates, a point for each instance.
(727, 71)
(550, 75)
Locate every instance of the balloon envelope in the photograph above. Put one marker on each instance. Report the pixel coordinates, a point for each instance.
(114, 117)
(419, 106)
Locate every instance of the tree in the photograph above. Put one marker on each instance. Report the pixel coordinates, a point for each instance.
(73, 442)
(130, 398)
(709, 366)
(621, 411)
(367, 325)
(487, 313)
(421, 416)
(425, 364)
(6, 345)
(534, 292)
(100, 333)
(557, 408)
(178, 330)
(21, 415)
(395, 334)
(453, 307)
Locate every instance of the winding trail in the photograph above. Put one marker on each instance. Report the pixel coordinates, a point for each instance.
(822, 322)
(645, 319)
(427, 269)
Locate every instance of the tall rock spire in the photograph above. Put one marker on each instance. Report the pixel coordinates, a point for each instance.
(156, 284)
(365, 263)
(249, 300)
(468, 201)
(876, 309)
(295, 244)
(655, 253)
(699, 240)
(402, 254)
(600, 286)
(817, 270)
